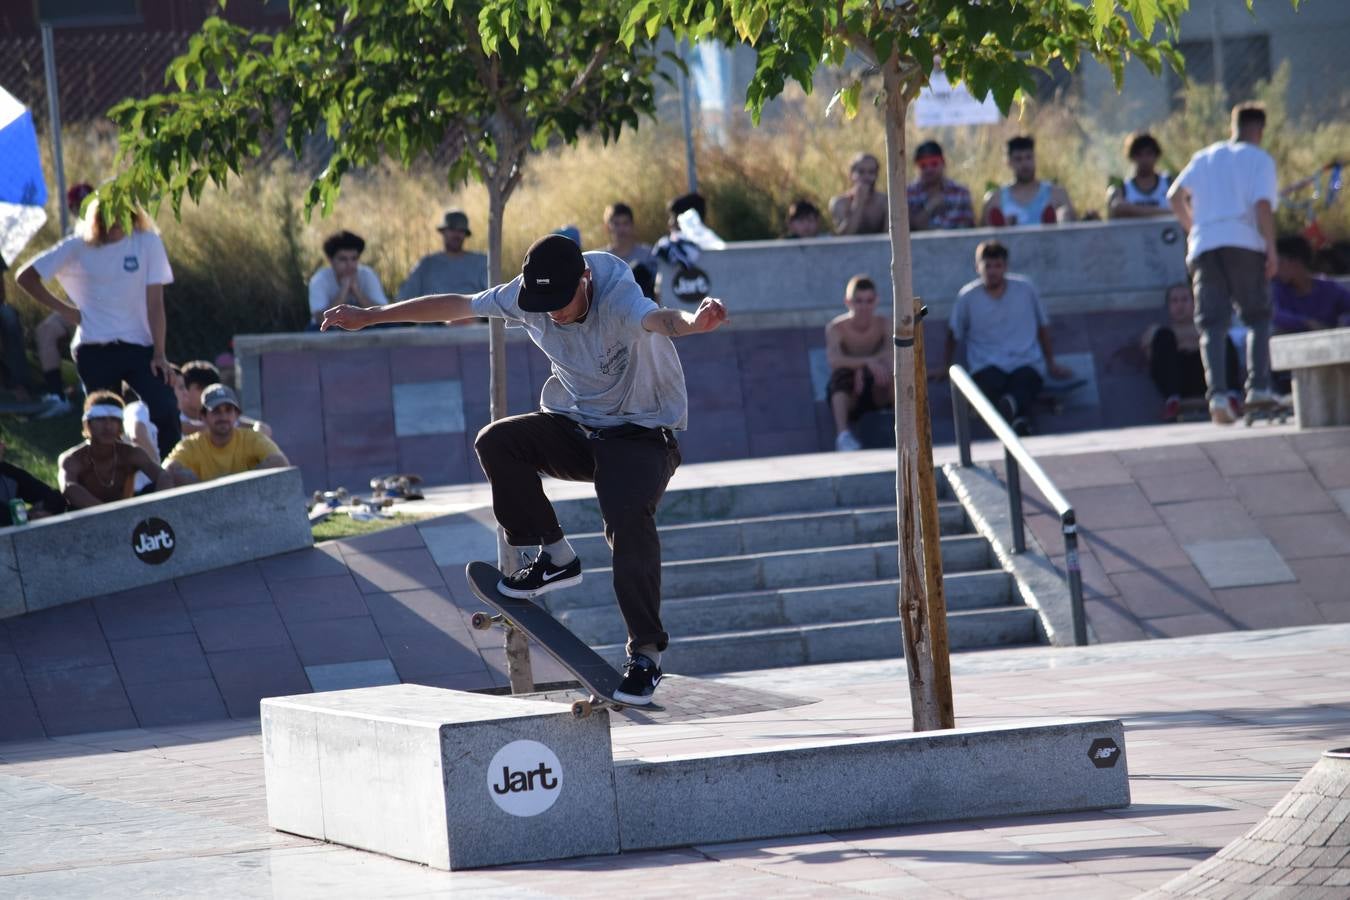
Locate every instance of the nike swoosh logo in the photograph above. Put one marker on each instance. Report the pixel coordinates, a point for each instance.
(548, 577)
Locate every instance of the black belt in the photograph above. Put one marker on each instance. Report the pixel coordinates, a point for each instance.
(627, 430)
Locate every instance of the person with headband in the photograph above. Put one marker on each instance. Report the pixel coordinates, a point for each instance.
(103, 468)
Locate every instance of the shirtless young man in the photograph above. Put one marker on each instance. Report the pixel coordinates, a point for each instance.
(859, 354)
(100, 470)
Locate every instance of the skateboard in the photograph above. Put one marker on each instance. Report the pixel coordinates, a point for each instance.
(1277, 412)
(397, 487)
(595, 675)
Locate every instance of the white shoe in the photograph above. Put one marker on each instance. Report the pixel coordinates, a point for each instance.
(1261, 398)
(54, 405)
(1222, 409)
(846, 441)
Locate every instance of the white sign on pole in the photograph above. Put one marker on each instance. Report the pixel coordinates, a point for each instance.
(943, 103)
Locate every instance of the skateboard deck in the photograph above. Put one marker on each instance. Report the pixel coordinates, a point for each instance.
(596, 675)
(1267, 412)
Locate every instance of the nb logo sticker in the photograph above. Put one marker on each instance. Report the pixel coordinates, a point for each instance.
(130, 263)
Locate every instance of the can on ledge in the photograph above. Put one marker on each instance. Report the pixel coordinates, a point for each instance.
(18, 512)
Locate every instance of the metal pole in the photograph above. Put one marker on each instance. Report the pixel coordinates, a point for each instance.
(1075, 579)
(686, 117)
(1015, 502)
(54, 119)
(961, 418)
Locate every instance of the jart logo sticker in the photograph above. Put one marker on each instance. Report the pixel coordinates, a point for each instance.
(524, 778)
(152, 541)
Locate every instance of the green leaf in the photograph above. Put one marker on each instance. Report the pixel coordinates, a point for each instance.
(1102, 12)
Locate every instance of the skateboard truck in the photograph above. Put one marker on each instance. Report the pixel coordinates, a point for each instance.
(482, 621)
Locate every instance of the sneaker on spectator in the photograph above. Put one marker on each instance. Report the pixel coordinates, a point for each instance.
(1223, 409)
(846, 441)
(1171, 409)
(54, 405)
(1021, 426)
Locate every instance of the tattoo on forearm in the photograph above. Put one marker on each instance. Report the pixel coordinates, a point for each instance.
(669, 322)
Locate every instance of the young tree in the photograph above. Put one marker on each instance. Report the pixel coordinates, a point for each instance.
(389, 78)
(994, 47)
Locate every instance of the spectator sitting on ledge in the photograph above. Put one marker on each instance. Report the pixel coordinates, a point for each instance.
(1000, 319)
(1304, 302)
(860, 357)
(344, 279)
(17, 484)
(1028, 200)
(1144, 193)
(189, 382)
(862, 208)
(803, 220)
(102, 469)
(935, 201)
(222, 449)
(1173, 352)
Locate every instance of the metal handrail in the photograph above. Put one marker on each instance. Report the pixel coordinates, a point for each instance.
(1016, 458)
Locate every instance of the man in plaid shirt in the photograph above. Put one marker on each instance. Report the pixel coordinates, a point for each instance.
(935, 201)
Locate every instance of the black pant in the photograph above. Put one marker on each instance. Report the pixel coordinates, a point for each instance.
(14, 356)
(630, 467)
(103, 367)
(1021, 384)
(1181, 373)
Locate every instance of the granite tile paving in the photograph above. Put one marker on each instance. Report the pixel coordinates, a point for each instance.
(1211, 749)
(1235, 563)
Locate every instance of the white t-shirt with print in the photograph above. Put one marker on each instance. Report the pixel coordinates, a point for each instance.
(107, 283)
(1226, 180)
(324, 288)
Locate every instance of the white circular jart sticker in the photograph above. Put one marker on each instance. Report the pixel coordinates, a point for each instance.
(524, 778)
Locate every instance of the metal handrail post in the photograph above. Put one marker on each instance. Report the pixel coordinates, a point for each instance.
(1019, 536)
(1075, 573)
(961, 419)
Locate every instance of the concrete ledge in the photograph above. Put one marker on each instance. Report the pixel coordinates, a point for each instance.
(1038, 582)
(934, 776)
(1321, 364)
(151, 539)
(449, 779)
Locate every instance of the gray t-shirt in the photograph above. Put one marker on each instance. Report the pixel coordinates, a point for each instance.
(1001, 331)
(607, 370)
(440, 273)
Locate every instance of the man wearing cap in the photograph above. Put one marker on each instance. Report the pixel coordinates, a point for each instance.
(103, 468)
(935, 201)
(608, 414)
(223, 448)
(454, 270)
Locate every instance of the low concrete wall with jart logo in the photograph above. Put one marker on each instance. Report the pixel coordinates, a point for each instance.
(151, 539)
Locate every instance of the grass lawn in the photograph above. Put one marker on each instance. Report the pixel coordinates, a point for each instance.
(34, 444)
(342, 525)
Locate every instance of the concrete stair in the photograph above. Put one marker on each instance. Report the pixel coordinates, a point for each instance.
(788, 573)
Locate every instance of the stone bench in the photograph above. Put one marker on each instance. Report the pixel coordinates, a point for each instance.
(1320, 361)
(150, 539)
(457, 780)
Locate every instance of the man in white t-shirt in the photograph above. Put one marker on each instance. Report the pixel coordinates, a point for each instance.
(1225, 198)
(1000, 319)
(115, 281)
(344, 281)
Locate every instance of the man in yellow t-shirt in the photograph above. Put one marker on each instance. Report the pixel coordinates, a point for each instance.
(222, 448)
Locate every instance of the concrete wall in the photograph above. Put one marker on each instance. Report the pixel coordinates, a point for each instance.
(346, 407)
(150, 539)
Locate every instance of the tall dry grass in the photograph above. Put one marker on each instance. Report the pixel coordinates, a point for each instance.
(242, 257)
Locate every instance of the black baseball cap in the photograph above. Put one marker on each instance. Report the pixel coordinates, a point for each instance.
(549, 276)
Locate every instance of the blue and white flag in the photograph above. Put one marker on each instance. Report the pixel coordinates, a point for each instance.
(23, 191)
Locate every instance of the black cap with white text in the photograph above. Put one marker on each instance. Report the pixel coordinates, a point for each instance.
(549, 276)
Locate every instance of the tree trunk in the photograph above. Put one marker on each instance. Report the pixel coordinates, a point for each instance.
(518, 668)
(916, 615)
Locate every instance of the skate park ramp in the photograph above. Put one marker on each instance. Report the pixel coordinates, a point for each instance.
(1301, 849)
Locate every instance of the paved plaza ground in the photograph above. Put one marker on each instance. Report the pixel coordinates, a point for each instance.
(1218, 729)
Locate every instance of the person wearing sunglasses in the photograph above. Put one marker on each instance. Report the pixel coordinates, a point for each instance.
(935, 201)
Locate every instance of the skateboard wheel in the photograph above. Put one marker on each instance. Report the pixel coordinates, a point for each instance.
(481, 621)
(581, 709)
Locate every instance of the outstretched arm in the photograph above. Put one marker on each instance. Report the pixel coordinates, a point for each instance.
(711, 313)
(431, 308)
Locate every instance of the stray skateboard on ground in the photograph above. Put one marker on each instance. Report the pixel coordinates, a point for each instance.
(397, 487)
(1276, 412)
(595, 675)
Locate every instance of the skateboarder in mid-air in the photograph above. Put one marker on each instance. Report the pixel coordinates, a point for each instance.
(607, 415)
